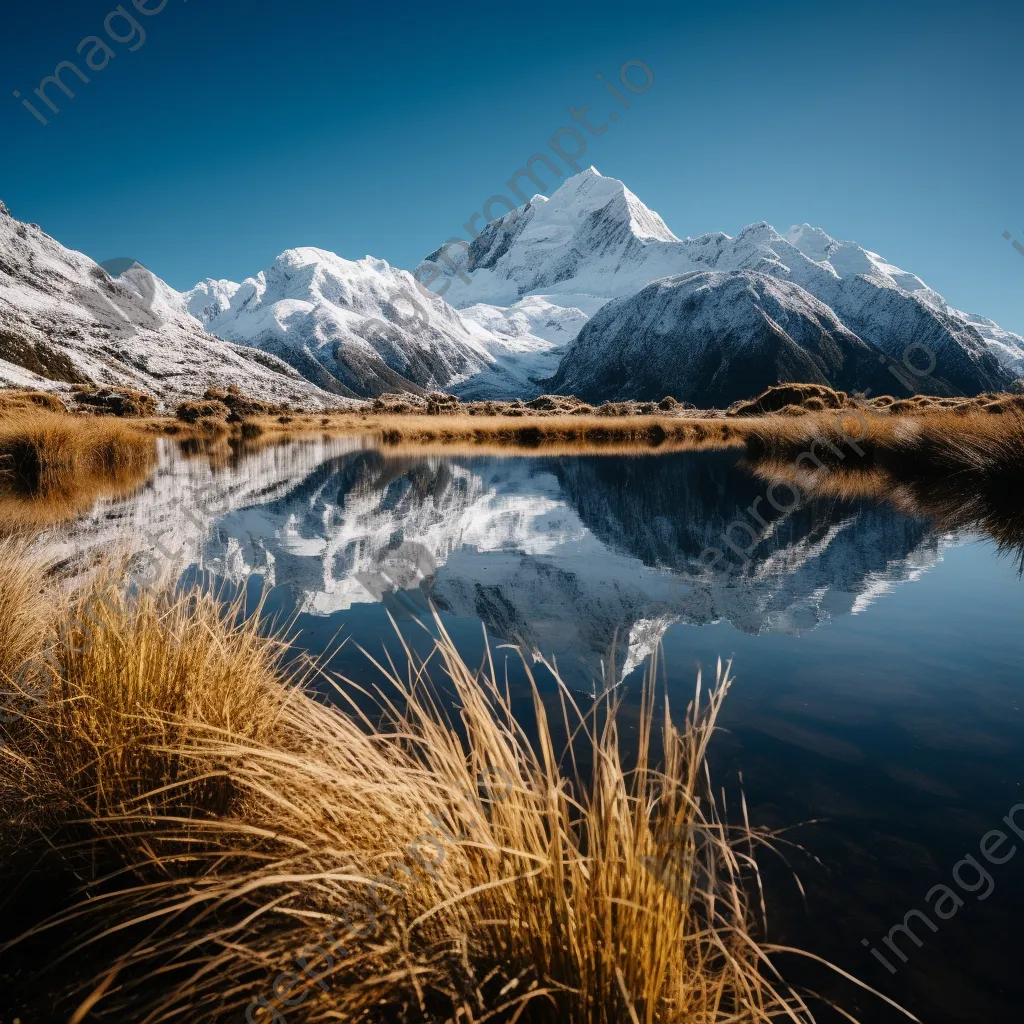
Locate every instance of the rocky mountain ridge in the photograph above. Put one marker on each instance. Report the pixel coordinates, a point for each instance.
(587, 291)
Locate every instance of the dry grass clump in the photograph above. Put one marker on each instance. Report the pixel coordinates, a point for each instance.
(243, 406)
(39, 448)
(989, 402)
(940, 441)
(206, 409)
(128, 675)
(114, 401)
(440, 404)
(784, 397)
(397, 404)
(799, 399)
(248, 844)
(26, 399)
(54, 465)
(26, 627)
(978, 442)
(554, 403)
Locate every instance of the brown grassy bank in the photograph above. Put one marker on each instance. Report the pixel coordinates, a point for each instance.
(786, 417)
(936, 441)
(962, 470)
(53, 465)
(224, 826)
(525, 431)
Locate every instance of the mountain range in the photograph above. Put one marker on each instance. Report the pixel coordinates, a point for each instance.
(585, 292)
(64, 320)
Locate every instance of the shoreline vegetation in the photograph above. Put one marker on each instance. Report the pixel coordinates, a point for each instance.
(958, 461)
(54, 466)
(198, 833)
(55, 461)
(190, 832)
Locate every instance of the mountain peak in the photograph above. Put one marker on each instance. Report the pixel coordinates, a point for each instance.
(814, 243)
(761, 232)
(584, 193)
(587, 172)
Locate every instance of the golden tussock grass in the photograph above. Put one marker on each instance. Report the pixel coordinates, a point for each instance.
(54, 465)
(25, 618)
(934, 441)
(564, 432)
(27, 400)
(227, 826)
(101, 680)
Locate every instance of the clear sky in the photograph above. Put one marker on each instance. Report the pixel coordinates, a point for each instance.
(239, 129)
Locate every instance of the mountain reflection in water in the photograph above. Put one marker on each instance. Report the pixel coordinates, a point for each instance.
(896, 733)
(576, 556)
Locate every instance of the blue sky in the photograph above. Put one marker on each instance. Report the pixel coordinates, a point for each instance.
(237, 130)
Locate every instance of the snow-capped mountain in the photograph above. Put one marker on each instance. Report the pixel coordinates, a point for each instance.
(741, 331)
(558, 294)
(361, 328)
(593, 241)
(64, 320)
(208, 299)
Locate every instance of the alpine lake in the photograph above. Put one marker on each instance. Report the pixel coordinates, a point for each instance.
(875, 714)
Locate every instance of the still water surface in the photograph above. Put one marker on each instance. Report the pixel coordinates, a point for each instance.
(877, 703)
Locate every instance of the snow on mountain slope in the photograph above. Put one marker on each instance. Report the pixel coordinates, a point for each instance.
(594, 241)
(528, 336)
(208, 299)
(64, 320)
(850, 260)
(868, 295)
(534, 315)
(711, 337)
(593, 237)
(361, 328)
(1007, 347)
